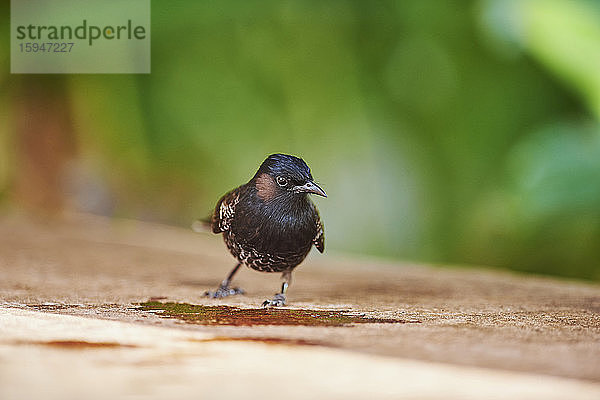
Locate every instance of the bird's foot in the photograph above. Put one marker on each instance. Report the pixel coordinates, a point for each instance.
(223, 291)
(278, 301)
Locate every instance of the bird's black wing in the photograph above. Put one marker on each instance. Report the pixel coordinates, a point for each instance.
(319, 240)
(224, 211)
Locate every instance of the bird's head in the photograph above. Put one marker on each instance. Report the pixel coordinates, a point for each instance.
(282, 174)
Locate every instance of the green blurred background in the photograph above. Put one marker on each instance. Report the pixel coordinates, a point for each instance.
(462, 132)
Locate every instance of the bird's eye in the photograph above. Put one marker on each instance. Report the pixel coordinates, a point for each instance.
(281, 181)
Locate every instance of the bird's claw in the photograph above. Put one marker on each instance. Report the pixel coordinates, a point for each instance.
(278, 301)
(223, 291)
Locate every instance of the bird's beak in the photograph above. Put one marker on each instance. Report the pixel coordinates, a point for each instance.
(310, 187)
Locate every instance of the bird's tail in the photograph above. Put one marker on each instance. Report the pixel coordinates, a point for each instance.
(202, 225)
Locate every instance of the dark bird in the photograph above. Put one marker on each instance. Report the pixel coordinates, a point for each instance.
(269, 223)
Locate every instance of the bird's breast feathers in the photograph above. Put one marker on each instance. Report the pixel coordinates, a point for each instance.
(258, 222)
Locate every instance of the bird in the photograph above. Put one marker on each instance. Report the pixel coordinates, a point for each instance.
(270, 224)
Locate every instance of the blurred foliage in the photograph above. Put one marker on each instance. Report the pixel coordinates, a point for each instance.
(451, 132)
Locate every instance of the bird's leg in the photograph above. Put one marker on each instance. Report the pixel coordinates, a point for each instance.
(224, 290)
(279, 299)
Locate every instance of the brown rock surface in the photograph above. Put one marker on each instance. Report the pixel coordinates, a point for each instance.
(62, 281)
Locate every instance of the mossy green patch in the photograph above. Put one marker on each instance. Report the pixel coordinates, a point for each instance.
(228, 315)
